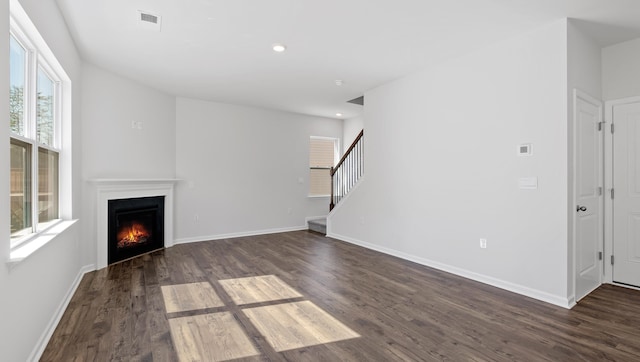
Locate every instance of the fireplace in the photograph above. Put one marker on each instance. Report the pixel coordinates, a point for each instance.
(108, 190)
(135, 227)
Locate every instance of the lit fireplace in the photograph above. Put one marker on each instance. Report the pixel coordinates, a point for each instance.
(133, 234)
(136, 227)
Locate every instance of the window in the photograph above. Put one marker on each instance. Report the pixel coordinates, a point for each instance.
(34, 122)
(322, 156)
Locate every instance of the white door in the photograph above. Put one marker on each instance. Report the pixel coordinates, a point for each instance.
(626, 200)
(589, 180)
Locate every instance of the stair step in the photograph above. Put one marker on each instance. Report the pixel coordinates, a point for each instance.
(318, 225)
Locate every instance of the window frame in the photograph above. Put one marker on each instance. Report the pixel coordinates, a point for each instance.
(43, 65)
(36, 61)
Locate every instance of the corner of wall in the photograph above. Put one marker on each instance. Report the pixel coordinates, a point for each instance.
(41, 345)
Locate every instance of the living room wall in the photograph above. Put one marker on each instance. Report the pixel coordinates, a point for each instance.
(33, 291)
(350, 130)
(113, 147)
(442, 170)
(621, 70)
(244, 170)
(241, 170)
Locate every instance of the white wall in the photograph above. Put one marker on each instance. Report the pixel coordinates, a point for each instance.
(350, 129)
(584, 62)
(5, 227)
(112, 148)
(442, 170)
(621, 70)
(241, 168)
(33, 291)
(584, 73)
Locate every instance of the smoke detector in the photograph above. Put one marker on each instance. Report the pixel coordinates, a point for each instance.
(149, 20)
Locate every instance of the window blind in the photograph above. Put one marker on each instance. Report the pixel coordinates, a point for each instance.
(321, 159)
(321, 152)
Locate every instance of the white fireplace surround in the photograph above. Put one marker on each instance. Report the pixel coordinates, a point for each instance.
(113, 189)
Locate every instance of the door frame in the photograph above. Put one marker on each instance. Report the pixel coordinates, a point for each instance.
(608, 185)
(578, 94)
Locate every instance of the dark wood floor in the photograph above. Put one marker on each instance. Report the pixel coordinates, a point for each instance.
(403, 311)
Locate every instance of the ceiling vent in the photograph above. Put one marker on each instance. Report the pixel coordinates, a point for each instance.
(149, 18)
(149, 21)
(359, 100)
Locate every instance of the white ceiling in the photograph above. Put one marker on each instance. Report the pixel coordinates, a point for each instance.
(220, 50)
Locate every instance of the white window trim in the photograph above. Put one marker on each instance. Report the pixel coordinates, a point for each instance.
(28, 36)
(318, 196)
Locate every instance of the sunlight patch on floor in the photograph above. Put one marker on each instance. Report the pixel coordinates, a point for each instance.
(265, 288)
(296, 325)
(187, 297)
(221, 337)
(210, 337)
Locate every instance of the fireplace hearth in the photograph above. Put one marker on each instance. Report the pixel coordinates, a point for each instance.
(135, 227)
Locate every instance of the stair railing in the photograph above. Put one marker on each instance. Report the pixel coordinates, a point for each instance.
(348, 171)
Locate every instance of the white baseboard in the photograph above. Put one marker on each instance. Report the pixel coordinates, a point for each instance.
(238, 235)
(502, 284)
(624, 285)
(53, 323)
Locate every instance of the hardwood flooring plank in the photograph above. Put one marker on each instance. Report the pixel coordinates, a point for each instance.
(210, 337)
(263, 288)
(400, 310)
(190, 296)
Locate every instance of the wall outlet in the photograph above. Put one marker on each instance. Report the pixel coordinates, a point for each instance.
(483, 243)
(289, 210)
(196, 218)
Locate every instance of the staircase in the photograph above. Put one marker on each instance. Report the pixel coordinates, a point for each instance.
(318, 225)
(348, 171)
(344, 177)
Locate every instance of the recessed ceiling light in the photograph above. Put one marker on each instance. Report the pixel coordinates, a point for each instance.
(279, 48)
(339, 82)
(338, 114)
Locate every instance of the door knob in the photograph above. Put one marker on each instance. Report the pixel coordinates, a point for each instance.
(581, 208)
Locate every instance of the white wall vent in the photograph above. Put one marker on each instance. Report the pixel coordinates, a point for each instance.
(525, 149)
(149, 18)
(149, 21)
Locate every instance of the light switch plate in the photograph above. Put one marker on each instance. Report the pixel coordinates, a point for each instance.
(528, 183)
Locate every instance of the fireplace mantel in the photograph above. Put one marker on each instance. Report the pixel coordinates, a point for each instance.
(131, 181)
(111, 189)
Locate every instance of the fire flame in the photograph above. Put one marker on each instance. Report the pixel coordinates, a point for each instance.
(134, 234)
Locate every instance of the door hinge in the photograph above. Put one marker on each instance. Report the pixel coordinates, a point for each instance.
(612, 194)
(612, 128)
(599, 255)
(600, 126)
(612, 259)
(599, 190)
